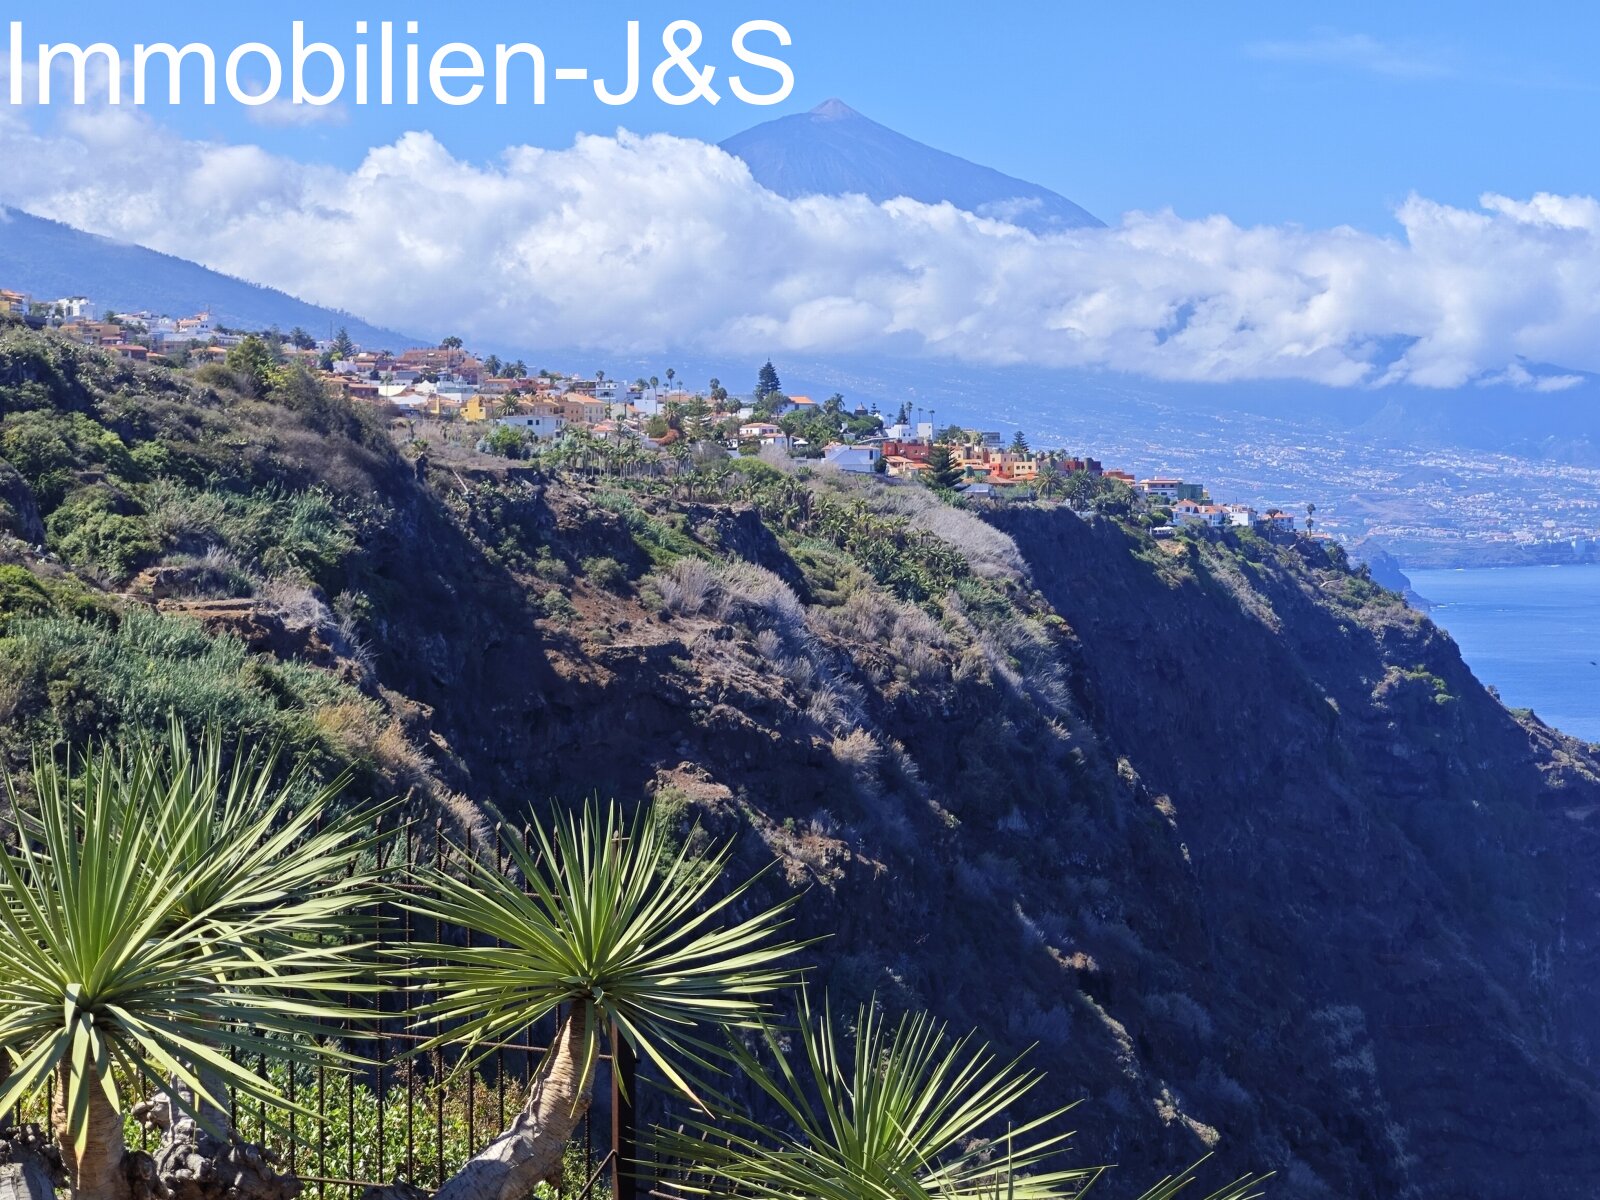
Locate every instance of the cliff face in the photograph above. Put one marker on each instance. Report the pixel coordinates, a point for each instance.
(1224, 829)
(1395, 877)
(1240, 844)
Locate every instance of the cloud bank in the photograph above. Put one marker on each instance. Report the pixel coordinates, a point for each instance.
(649, 243)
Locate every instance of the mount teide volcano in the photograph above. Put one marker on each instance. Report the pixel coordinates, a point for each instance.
(834, 151)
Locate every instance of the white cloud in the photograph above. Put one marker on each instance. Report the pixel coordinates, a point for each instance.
(285, 113)
(1356, 51)
(633, 243)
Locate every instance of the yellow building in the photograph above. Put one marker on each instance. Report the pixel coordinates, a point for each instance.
(13, 304)
(583, 410)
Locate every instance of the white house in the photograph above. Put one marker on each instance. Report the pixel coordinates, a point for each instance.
(454, 388)
(1240, 514)
(1161, 487)
(1187, 512)
(766, 433)
(1278, 521)
(75, 308)
(863, 460)
(543, 425)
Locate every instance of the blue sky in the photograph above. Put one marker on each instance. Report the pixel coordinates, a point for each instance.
(1353, 193)
(1269, 112)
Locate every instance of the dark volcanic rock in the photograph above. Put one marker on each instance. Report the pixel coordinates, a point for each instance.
(19, 513)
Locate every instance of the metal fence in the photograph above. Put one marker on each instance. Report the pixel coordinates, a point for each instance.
(417, 1116)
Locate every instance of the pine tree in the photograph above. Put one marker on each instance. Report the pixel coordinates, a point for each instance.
(252, 360)
(768, 384)
(343, 347)
(1019, 443)
(942, 469)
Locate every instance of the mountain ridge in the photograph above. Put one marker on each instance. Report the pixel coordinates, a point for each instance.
(834, 150)
(49, 259)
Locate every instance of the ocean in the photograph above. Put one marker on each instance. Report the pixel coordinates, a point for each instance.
(1531, 632)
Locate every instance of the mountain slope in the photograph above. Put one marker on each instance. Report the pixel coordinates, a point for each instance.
(49, 260)
(834, 151)
(1225, 829)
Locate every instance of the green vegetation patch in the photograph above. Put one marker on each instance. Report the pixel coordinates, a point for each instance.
(70, 677)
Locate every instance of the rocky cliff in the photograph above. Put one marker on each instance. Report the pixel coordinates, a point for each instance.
(1223, 827)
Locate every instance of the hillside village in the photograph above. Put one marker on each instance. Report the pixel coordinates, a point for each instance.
(507, 409)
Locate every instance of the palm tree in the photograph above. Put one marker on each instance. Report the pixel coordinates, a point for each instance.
(611, 923)
(908, 1114)
(160, 918)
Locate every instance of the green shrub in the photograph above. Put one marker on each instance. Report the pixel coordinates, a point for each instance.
(22, 594)
(47, 447)
(88, 531)
(76, 678)
(557, 606)
(350, 1142)
(605, 573)
(285, 533)
(507, 442)
(550, 568)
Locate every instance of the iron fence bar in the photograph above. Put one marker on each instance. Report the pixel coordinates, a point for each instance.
(599, 1173)
(350, 1091)
(294, 1137)
(623, 1134)
(411, 981)
(322, 1125)
(438, 1055)
(500, 1053)
(398, 1060)
(472, 1075)
(381, 1089)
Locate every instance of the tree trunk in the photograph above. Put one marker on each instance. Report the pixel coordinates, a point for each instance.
(530, 1152)
(100, 1174)
(194, 1164)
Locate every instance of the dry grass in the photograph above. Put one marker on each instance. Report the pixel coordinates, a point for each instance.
(859, 751)
(737, 591)
(685, 588)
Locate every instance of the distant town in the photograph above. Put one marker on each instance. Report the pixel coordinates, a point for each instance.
(507, 409)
